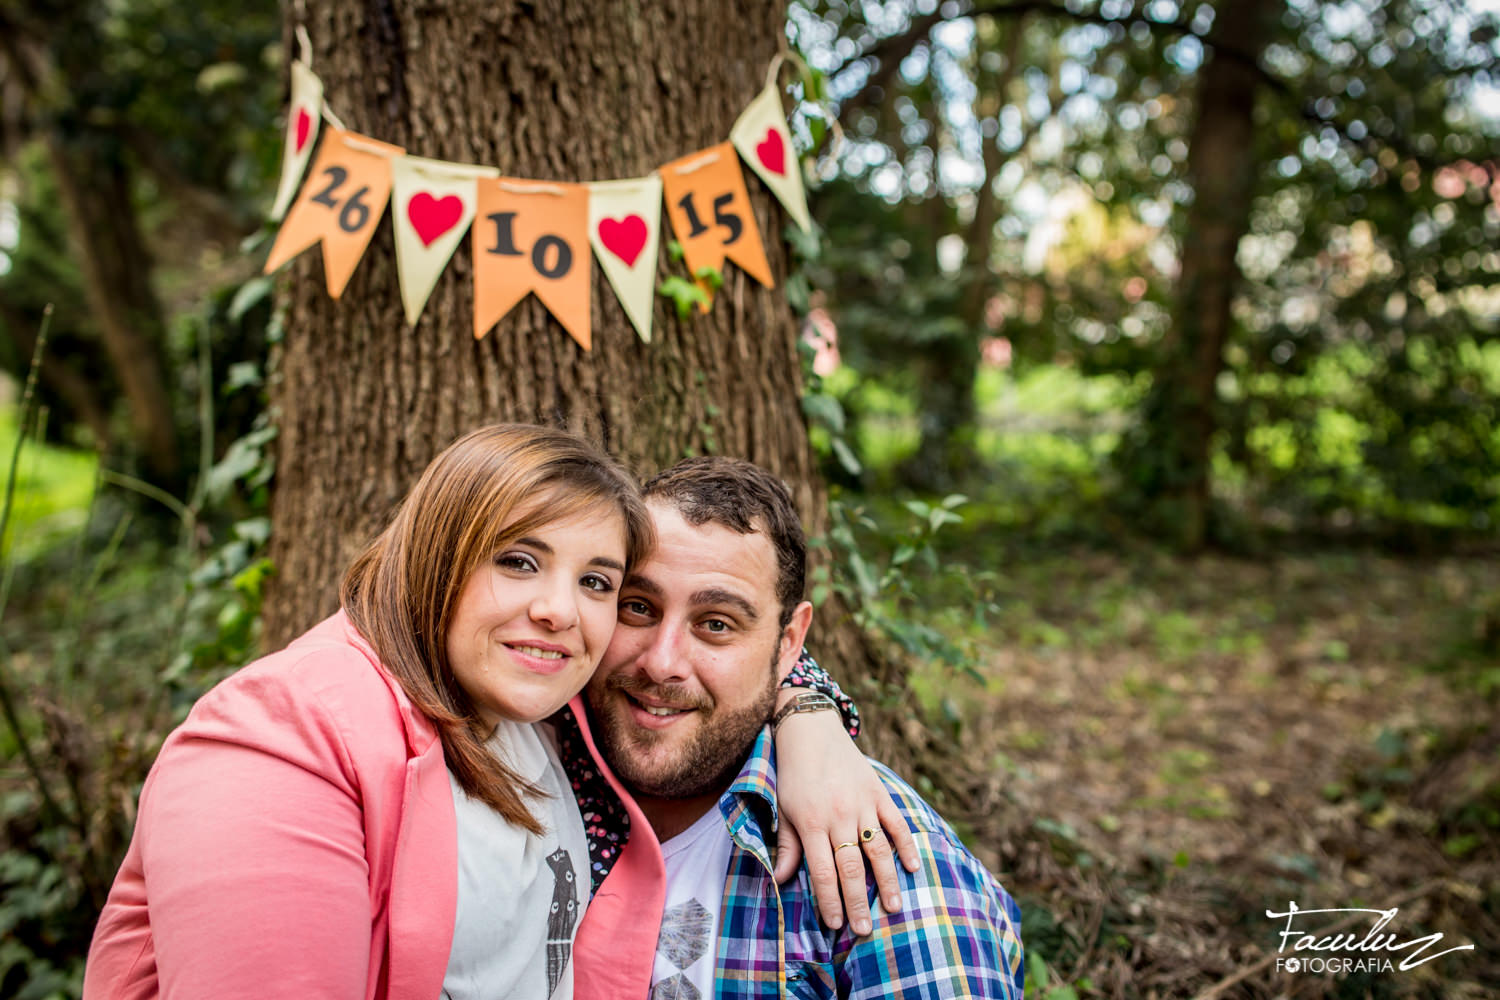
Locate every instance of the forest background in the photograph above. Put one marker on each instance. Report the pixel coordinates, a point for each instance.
(1151, 365)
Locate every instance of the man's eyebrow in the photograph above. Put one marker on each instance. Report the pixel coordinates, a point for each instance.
(718, 595)
(644, 584)
(545, 549)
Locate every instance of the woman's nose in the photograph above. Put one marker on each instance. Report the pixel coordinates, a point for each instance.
(556, 607)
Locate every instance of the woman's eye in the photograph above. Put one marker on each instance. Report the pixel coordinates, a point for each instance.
(599, 584)
(516, 561)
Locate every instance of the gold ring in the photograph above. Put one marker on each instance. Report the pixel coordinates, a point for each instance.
(847, 843)
(867, 834)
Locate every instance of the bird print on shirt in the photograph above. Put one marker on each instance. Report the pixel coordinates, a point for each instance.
(562, 917)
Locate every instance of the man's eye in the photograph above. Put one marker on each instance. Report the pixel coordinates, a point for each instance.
(716, 625)
(599, 583)
(635, 608)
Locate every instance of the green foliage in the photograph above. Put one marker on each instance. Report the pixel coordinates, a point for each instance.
(53, 488)
(175, 102)
(684, 295)
(1358, 396)
(883, 571)
(1039, 981)
(104, 653)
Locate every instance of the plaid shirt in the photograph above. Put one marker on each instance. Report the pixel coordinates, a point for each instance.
(957, 933)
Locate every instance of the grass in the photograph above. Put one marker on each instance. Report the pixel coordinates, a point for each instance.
(53, 489)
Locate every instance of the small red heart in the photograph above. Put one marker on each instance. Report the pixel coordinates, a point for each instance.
(772, 152)
(432, 217)
(304, 126)
(625, 238)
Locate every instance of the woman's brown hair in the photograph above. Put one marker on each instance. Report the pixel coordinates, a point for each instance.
(402, 590)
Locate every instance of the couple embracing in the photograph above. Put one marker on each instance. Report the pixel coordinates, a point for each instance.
(414, 800)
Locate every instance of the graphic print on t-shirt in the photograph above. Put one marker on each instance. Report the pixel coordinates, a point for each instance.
(562, 917)
(683, 940)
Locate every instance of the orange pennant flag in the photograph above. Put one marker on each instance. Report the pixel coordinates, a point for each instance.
(710, 213)
(532, 236)
(341, 204)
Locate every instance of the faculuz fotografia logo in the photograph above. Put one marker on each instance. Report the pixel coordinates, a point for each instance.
(1353, 939)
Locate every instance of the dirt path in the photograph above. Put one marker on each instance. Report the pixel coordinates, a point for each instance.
(1226, 736)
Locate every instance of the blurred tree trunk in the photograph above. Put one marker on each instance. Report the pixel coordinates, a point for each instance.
(1169, 461)
(54, 59)
(557, 91)
(94, 187)
(950, 365)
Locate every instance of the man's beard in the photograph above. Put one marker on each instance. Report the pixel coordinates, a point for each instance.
(710, 760)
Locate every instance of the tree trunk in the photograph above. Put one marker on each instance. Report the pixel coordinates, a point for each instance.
(946, 456)
(1171, 460)
(94, 188)
(565, 91)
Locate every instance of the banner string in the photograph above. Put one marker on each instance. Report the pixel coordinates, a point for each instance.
(697, 164)
(786, 57)
(442, 170)
(333, 119)
(304, 43)
(379, 149)
(532, 188)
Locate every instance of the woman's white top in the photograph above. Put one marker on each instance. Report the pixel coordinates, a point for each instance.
(520, 896)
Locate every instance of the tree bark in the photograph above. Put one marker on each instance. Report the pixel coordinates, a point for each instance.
(566, 91)
(1174, 454)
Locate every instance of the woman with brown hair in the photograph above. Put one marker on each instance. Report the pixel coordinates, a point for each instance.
(374, 810)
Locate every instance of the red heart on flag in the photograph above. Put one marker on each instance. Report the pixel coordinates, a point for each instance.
(432, 217)
(625, 238)
(304, 126)
(772, 152)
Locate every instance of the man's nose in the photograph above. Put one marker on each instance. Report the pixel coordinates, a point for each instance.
(663, 661)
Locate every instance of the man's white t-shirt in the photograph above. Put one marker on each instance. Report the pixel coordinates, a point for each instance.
(520, 896)
(697, 861)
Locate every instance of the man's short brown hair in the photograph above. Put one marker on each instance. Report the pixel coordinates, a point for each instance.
(743, 497)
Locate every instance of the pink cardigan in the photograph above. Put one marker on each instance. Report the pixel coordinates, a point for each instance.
(296, 837)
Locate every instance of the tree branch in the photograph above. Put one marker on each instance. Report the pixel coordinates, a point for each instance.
(892, 50)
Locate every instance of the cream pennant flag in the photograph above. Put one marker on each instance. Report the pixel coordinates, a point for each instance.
(625, 231)
(432, 205)
(765, 144)
(341, 204)
(532, 236)
(302, 120)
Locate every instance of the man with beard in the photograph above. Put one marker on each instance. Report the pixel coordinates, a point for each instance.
(682, 706)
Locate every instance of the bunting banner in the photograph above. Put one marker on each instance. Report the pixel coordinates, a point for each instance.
(532, 236)
(340, 205)
(527, 236)
(432, 204)
(765, 144)
(302, 122)
(710, 213)
(625, 232)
